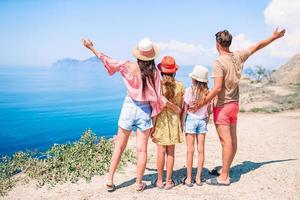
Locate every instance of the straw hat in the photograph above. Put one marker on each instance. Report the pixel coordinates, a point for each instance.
(199, 73)
(168, 65)
(145, 50)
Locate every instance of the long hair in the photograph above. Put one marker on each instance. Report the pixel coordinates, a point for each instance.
(169, 85)
(200, 91)
(147, 71)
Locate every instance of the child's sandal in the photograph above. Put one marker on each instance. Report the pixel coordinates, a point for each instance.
(171, 186)
(141, 187)
(187, 184)
(199, 183)
(154, 183)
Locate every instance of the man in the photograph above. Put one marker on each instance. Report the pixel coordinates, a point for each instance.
(227, 71)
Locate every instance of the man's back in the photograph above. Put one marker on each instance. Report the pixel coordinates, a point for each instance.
(230, 67)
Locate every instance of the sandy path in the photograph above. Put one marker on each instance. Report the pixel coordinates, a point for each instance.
(266, 167)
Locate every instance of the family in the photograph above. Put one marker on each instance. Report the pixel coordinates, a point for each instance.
(158, 106)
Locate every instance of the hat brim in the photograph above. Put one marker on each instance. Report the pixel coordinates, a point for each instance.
(197, 78)
(165, 70)
(138, 55)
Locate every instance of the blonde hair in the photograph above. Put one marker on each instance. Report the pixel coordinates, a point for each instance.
(169, 86)
(199, 91)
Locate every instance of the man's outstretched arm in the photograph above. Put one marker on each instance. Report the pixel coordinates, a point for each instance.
(276, 35)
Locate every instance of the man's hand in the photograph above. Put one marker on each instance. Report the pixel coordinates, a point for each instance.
(87, 43)
(195, 107)
(278, 33)
(177, 110)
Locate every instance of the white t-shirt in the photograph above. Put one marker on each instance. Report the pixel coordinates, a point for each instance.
(201, 113)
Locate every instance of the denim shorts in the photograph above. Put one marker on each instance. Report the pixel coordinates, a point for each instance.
(135, 115)
(194, 125)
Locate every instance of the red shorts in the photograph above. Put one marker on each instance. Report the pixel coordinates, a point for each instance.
(227, 114)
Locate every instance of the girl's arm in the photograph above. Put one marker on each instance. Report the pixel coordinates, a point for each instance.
(154, 124)
(208, 112)
(183, 115)
(174, 107)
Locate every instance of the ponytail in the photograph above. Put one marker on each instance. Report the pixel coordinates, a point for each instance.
(169, 86)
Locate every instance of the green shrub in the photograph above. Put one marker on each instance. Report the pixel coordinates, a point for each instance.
(265, 110)
(257, 110)
(242, 110)
(62, 162)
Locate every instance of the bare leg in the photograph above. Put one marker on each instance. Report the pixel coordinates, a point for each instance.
(161, 153)
(141, 147)
(190, 140)
(227, 151)
(200, 148)
(234, 140)
(170, 164)
(120, 145)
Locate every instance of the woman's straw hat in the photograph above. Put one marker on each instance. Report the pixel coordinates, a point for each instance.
(145, 50)
(199, 73)
(168, 65)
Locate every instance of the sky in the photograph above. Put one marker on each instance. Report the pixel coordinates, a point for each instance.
(39, 32)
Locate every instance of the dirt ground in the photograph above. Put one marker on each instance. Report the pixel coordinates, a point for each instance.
(266, 167)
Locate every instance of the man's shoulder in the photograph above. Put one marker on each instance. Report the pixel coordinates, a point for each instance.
(243, 53)
(219, 62)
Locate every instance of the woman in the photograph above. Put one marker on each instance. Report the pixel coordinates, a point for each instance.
(167, 128)
(144, 100)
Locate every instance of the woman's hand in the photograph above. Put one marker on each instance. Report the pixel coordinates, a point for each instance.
(152, 130)
(87, 43)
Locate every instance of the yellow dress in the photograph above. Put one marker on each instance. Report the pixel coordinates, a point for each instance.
(168, 126)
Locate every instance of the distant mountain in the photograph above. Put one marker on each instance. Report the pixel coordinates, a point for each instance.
(68, 64)
(288, 73)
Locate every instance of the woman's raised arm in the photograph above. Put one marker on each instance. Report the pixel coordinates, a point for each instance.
(110, 64)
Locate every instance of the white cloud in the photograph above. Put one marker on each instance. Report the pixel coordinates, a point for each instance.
(240, 42)
(286, 14)
(282, 13)
(187, 53)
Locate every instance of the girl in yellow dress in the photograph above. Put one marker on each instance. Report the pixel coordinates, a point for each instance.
(167, 125)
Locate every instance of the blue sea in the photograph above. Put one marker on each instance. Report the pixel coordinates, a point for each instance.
(40, 106)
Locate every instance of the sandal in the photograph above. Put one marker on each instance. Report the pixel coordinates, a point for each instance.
(141, 187)
(187, 184)
(198, 183)
(170, 187)
(154, 183)
(214, 181)
(110, 187)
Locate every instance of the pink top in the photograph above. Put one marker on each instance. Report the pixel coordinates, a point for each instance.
(134, 83)
(189, 99)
